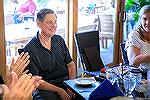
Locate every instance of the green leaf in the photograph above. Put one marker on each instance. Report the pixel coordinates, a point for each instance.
(135, 6)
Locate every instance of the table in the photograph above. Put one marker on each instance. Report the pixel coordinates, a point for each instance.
(81, 92)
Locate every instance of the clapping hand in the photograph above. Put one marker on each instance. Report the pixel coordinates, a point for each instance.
(20, 64)
(22, 88)
(17, 66)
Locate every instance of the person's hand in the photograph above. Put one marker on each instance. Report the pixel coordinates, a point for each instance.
(20, 64)
(22, 89)
(11, 78)
(63, 94)
(17, 67)
(38, 80)
(71, 94)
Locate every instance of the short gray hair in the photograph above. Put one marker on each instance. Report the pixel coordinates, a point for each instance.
(43, 12)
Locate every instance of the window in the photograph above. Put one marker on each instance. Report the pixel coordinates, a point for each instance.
(20, 21)
(132, 9)
(88, 14)
(99, 15)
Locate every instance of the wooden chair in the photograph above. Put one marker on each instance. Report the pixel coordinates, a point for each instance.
(105, 27)
(87, 28)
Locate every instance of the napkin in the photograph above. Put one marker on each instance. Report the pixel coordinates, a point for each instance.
(105, 91)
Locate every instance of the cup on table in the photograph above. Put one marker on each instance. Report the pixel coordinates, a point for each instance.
(129, 83)
(111, 75)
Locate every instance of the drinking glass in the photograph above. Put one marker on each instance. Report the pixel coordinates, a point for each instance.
(129, 83)
(139, 85)
(111, 75)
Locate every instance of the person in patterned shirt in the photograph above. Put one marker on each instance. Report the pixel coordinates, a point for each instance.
(138, 43)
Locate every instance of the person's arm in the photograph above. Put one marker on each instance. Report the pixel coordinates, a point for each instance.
(32, 8)
(69, 62)
(135, 58)
(72, 70)
(62, 93)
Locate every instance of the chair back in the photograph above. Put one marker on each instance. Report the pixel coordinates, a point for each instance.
(106, 24)
(126, 61)
(124, 54)
(89, 50)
